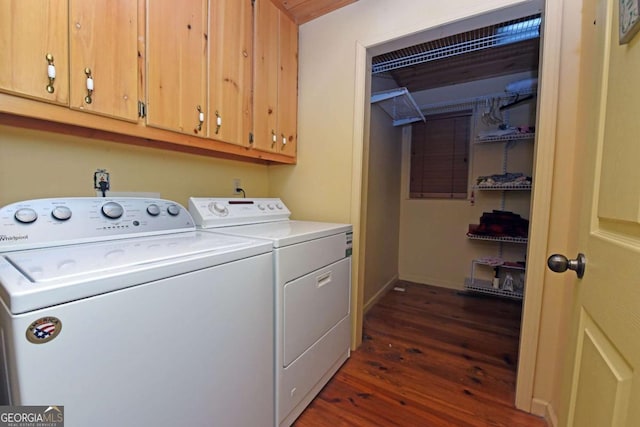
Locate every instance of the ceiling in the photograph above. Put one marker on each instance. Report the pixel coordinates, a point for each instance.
(305, 10)
(503, 49)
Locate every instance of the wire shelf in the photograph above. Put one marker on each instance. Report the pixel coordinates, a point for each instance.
(505, 239)
(399, 105)
(506, 138)
(485, 287)
(483, 38)
(503, 187)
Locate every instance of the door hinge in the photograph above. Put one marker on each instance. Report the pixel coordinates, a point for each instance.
(142, 110)
(250, 137)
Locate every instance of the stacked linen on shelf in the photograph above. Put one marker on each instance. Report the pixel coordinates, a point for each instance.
(500, 224)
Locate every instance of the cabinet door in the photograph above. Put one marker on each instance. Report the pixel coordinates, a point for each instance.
(288, 87)
(29, 31)
(176, 65)
(108, 57)
(265, 86)
(230, 60)
(276, 80)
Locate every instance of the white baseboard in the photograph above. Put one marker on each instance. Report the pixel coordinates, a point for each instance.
(545, 410)
(433, 282)
(551, 417)
(373, 300)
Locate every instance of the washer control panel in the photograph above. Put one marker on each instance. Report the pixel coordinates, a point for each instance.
(60, 221)
(211, 212)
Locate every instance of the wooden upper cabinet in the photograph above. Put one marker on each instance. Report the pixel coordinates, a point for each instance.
(31, 30)
(177, 65)
(265, 85)
(230, 70)
(103, 39)
(216, 77)
(288, 87)
(275, 81)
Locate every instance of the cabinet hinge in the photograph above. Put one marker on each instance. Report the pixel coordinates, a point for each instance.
(250, 137)
(253, 3)
(142, 110)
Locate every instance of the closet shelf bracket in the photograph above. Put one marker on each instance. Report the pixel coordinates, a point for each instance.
(399, 105)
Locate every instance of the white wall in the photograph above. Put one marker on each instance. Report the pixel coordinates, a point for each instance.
(380, 200)
(433, 246)
(35, 164)
(382, 218)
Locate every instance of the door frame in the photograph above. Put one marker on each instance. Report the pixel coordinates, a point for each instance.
(549, 75)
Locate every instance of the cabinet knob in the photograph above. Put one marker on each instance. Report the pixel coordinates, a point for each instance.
(218, 122)
(51, 72)
(200, 119)
(274, 138)
(88, 99)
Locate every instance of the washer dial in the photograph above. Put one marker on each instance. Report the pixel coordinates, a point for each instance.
(112, 210)
(61, 213)
(173, 210)
(153, 209)
(25, 215)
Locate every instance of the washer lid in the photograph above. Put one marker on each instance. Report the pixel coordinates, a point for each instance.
(39, 278)
(285, 233)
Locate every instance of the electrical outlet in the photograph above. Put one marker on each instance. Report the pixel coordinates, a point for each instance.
(101, 180)
(236, 185)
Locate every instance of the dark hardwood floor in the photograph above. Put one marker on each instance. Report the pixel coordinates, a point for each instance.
(430, 357)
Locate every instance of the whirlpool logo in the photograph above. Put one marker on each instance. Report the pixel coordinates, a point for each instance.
(17, 237)
(32, 416)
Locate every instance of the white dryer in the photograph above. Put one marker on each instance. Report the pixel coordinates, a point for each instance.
(120, 312)
(312, 285)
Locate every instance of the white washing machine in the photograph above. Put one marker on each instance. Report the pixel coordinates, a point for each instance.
(119, 311)
(312, 285)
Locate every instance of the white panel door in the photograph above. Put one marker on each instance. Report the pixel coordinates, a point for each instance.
(605, 384)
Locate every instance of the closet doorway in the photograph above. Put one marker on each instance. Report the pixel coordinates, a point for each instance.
(433, 246)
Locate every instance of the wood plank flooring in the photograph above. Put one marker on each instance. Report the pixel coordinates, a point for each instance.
(430, 357)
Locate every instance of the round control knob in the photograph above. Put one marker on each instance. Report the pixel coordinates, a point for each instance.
(61, 213)
(112, 210)
(173, 210)
(270, 206)
(153, 209)
(25, 215)
(218, 208)
(279, 205)
(261, 206)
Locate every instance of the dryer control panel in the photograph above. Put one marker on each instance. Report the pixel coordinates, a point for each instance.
(211, 212)
(61, 221)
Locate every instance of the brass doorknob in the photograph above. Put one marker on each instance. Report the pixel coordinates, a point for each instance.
(560, 264)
